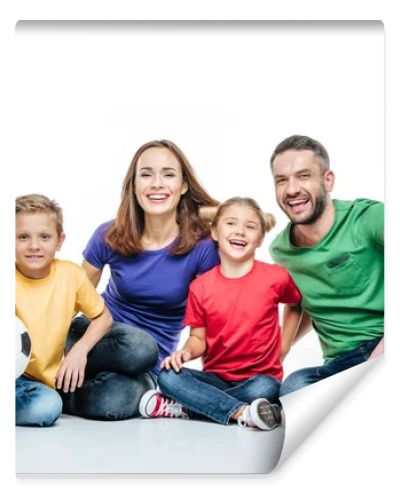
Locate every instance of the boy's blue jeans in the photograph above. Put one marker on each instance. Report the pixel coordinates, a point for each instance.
(301, 378)
(35, 403)
(116, 374)
(205, 394)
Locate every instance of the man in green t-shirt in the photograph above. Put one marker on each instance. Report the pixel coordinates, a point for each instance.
(334, 251)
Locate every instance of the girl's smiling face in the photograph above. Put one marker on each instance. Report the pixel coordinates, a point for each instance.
(238, 233)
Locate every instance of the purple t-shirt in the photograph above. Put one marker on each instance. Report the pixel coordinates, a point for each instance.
(149, 290)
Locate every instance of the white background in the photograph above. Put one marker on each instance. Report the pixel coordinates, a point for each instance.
(89, 95)
(348, 453)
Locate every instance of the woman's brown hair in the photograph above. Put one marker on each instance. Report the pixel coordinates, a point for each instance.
(124, 235)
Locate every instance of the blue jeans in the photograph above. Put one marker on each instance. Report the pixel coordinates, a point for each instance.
(35, 403)
(116, 374)
(307, 376)
(205, 394)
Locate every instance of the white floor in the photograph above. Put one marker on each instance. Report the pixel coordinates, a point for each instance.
(76, 446)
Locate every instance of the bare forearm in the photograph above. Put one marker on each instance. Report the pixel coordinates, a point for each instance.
(305, 326)
(71, 373)
(93, 273)
(96, 330)
(195, 346)
(291, 322)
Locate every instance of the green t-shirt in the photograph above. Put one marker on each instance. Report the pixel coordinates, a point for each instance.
(341, 278)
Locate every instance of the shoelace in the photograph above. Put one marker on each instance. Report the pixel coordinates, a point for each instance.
(170, 408)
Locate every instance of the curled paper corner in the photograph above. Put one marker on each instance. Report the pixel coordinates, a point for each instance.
(306, 408)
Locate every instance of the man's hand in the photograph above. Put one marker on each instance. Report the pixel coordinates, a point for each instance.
(378, 351)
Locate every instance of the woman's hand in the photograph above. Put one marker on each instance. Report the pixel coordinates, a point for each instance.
(176, 360)
(72, 370)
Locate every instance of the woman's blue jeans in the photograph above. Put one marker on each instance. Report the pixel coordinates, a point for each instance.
(205, 394)
(116, 374)
(301, 378)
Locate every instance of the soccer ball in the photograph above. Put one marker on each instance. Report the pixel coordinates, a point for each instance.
(22, 347)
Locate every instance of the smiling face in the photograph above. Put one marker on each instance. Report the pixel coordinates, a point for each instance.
(37, 241)
(301, 186)
(158, 182)
(238, 233)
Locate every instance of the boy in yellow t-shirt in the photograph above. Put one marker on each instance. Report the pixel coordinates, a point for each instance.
(49, 293)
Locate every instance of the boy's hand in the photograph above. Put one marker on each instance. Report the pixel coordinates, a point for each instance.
(176, 360)
(72, 370)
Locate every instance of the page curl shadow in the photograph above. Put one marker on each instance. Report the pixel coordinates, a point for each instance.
(307, 408)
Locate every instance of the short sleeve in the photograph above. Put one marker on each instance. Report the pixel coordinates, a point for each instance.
(88, 301)
(290, 292)
(208, 256)
(97, 252)
(373, 224)
(194, 315)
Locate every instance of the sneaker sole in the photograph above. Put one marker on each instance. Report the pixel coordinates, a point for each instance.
(268, 415)
(145, 401)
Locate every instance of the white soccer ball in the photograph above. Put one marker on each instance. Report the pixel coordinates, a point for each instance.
(22, 347)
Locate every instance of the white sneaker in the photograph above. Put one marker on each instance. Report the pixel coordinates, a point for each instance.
(261, 414)
(153, 405)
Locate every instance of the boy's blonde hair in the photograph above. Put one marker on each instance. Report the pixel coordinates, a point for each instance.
(34, 203)
(267, 220)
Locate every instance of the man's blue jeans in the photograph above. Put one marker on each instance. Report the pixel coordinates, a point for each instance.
(116, 374)
(207, 395)
(307, 376)
(35, 403)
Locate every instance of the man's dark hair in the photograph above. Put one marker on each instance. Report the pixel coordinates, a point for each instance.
(301, 143)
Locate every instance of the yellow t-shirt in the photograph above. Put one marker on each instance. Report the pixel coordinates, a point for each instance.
(46, 307)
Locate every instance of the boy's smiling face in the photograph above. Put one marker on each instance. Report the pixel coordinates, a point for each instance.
(36, 243)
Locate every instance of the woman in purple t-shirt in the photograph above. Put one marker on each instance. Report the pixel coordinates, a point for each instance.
(155, 247)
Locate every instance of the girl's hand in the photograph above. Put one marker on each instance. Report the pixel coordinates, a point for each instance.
(176, 360)
(72, 370)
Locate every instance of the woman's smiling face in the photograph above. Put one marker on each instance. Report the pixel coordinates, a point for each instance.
(159, 183)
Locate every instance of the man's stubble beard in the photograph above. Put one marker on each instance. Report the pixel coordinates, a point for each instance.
(320, 204)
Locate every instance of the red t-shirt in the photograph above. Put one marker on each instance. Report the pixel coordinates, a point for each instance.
(241, 318)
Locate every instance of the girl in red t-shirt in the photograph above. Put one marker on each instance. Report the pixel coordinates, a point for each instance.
(233, 315)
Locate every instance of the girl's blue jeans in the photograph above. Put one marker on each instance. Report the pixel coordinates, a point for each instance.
(205, 394)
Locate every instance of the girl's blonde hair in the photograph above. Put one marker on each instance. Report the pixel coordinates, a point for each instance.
(213, 214)
(34, 203)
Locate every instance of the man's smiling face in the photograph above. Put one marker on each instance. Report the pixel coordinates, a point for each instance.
(301, 185)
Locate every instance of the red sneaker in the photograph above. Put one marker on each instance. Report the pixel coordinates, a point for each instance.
(154, 405)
